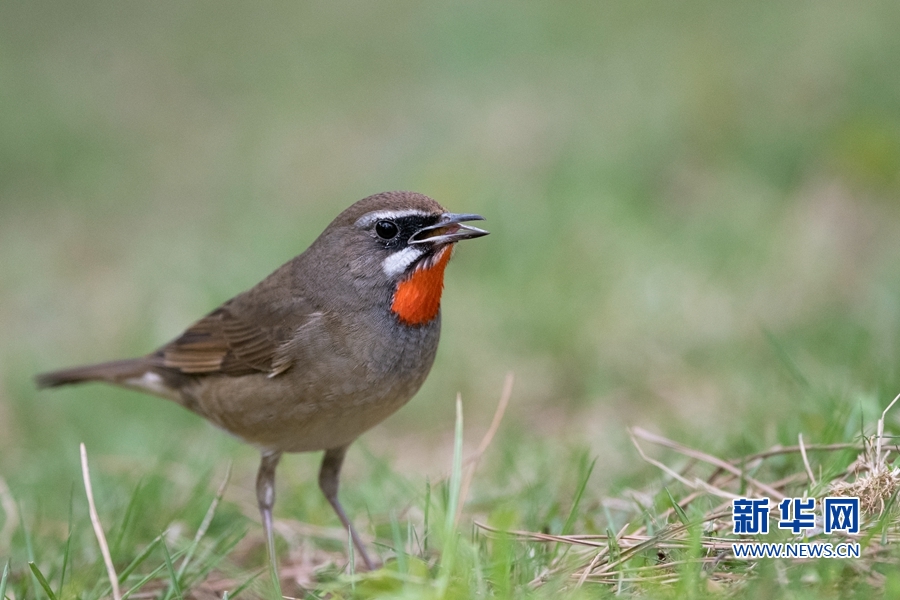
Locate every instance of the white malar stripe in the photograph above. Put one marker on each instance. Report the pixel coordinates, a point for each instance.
(369, 218)
(399, 262)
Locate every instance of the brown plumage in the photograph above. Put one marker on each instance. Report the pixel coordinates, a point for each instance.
(316, 353)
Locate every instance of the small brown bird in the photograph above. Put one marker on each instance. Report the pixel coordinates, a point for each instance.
(324, 348)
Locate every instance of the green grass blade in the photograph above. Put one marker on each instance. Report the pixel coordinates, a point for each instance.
(62, 575)
(140, 558)
(65, 563)
(478, 570)
(204, 525)
(682, 516)
(137, 587)
(29, 548)
(126, 520)
(41, 580)
(3, 580)
(173, 577)
(573, 513)
(214, 555)
(412, 536)
(399, 549)
(244, 585)
(615, 551)
(789, 364)
(456, 473)
(147, 578)
(448, 552)
(569, 523)
(427, 515)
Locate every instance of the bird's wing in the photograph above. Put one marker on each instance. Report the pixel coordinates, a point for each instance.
(226, 343)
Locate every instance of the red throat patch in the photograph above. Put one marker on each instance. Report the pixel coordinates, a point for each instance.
(418, 299)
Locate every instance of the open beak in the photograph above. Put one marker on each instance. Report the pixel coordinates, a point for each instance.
(448, 230)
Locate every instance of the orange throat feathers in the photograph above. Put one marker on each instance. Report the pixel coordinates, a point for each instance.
(418, 298)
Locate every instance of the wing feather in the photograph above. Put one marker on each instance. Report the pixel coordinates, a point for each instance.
(224, 343)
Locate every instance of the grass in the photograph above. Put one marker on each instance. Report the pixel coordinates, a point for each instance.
(693, 226)
(670, 538)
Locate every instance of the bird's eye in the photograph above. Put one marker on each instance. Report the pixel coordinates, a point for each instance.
(386, 230)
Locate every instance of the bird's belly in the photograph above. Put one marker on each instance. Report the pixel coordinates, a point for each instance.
(299, 412)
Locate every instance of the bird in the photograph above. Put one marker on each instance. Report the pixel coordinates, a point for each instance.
(324, 348)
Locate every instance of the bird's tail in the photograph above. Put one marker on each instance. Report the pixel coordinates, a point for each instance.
(116, 371)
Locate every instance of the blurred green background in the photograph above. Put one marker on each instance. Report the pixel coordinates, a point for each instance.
(693, 211)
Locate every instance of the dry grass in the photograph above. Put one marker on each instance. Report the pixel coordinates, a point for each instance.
(656, 546)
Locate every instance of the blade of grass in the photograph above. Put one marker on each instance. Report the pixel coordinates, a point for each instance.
(126, 520)
(137, 587)
(152, 574)
(9, 506)
(682, 516)
(98, 528)
(879, 435)
(599, 555)
(62, 575)
(477, 566)
(573, 512)
(3, 581)
(173, 577)
(204, 525)
(42, 580)
(696, 454)
(211, 558)
(140, 558)
(427, 515)
(613, 547)
(612, 551)
(786, 359)
(29, 548)
(456, 473)
(65, 563)
(778, 450)
(448, 552)
(809, 471)
(244, 585)
(883, 521)
(399, 549)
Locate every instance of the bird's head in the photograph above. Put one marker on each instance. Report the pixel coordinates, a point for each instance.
(402, 240)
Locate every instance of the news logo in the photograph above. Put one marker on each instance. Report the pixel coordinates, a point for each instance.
(797, 514)
(750, 516)
(841, 514)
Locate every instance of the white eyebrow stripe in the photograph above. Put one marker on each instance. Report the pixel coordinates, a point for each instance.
(399, 262)
(370, 218)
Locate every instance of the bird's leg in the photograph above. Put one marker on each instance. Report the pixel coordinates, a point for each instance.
(328, 482)
(265, 497)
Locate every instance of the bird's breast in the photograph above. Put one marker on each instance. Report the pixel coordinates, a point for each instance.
(417, 299)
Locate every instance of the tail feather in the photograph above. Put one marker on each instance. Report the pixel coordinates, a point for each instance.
(115, 371)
